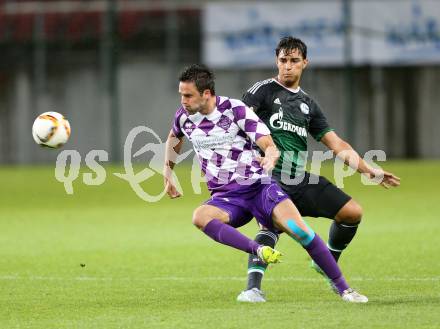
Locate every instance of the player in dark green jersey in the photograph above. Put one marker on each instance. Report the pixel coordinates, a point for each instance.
(292, 115)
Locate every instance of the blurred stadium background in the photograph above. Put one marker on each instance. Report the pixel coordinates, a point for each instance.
(111, 65)
(104, 258)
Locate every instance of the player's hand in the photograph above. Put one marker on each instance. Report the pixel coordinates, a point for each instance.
(388, 179)
(268, 163)
(271, 156)
(171, 190)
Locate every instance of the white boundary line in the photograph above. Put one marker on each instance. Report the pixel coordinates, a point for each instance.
(208, 278)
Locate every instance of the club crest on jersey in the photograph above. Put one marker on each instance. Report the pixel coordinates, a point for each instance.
(304, 108)
(224, 122)
(188, 126)
(276, 121)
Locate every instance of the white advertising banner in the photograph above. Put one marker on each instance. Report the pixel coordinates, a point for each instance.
(393, 32)
(396, 32)
(246, 34)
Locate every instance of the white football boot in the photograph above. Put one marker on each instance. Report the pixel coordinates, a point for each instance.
(253, 295)
(352, 296)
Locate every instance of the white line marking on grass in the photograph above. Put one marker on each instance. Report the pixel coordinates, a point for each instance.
(208, 278)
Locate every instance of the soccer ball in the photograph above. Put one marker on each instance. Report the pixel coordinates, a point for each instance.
(51, 129)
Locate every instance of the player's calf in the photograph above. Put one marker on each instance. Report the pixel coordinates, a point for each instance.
(287, 218)
(213, 222)
(256, 267)
(344, 228)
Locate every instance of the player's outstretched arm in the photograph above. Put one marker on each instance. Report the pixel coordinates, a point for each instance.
(173, 147)
(271, 153)
(387, 179)
(344, 151)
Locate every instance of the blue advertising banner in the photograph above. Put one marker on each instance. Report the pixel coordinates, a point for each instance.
(243, 35)
(397, 32)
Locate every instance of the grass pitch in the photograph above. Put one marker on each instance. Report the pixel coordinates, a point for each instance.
(103, 258)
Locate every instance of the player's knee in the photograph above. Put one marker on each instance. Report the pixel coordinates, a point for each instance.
(353, 215)
(301, 232)
(199, 218)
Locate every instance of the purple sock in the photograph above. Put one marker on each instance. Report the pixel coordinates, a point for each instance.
(229, 236)
(324, 259)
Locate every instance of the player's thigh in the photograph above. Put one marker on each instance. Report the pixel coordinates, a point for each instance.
(205, 213)
(285, 210)
(262, 204)
(237, 214)
(322, 199)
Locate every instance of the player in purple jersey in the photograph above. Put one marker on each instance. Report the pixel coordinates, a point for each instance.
(223, 132)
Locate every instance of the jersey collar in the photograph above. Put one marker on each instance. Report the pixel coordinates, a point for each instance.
(296, 90)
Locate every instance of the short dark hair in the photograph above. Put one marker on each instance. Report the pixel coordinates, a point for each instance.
(290, 43)
(201, 75)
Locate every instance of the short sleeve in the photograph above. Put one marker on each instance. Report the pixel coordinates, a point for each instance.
(318, 125)
(177, 128)
(249, 123)
(254, 97)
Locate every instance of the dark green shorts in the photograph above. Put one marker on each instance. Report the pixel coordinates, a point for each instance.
(315, 200)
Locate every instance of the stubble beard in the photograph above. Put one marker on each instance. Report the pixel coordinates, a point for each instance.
(288, 83)
(198, 109)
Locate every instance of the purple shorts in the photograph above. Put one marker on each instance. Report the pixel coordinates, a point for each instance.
(256, 200)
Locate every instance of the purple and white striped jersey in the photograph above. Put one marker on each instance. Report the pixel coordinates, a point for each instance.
(223, 142)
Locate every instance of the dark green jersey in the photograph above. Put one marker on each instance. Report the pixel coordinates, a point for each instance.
(290, 116)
